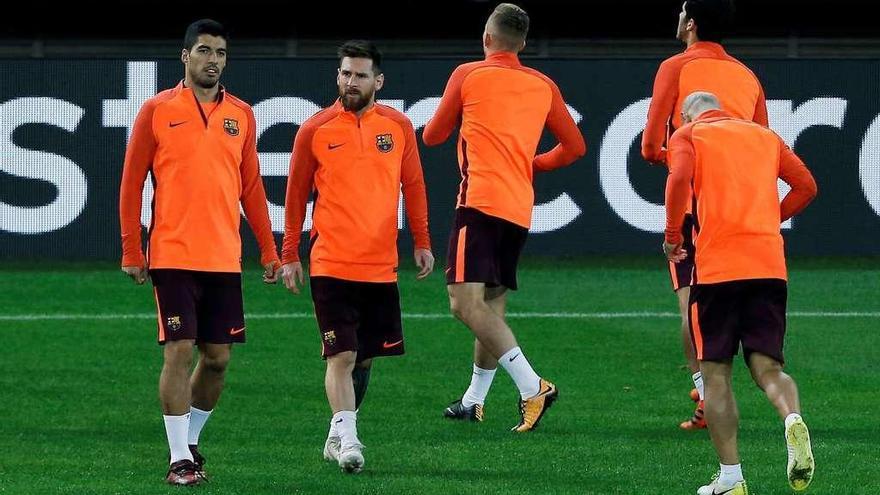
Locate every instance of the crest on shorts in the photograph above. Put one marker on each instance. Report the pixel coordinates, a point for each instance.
(173, 323)
(230, 126)
(384, 142)
(329, 337)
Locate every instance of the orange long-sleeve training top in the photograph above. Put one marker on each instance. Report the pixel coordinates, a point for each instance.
(203, 158)
(357, 167)
(731, 166)
(704, 66)
(502, 108)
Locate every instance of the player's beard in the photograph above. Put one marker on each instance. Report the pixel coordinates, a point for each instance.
(204, 81)
(355, 101)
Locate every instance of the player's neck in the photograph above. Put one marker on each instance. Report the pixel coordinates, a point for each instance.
(203, 95)
(691, 40)
(492, 51)
(366, 108)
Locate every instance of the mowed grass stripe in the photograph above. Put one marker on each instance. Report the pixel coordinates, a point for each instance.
(435, 316)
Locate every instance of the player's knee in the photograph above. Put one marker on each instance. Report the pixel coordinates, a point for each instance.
(464, 308)
(495, 292)
(764, 376)
(343, 359)
(216, 363)
(763, 367)
(178, 354)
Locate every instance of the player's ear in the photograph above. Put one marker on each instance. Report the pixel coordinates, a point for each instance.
(380, 81)
(487, 39)
(184, 55)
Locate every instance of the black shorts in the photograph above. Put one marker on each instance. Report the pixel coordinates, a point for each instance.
(357, 316)
(682, 273)
(751, 312)
(483, 248)
(202, 306)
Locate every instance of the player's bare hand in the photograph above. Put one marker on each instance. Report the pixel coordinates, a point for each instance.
(674, 252)
(425, 262)
(292, 275)
(137, 273)
(271, 272)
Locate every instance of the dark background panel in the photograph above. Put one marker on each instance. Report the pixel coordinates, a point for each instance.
(840, 222)
(423, 20)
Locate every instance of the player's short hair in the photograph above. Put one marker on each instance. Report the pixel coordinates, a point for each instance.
(203, 26)
(713, 18)
(511, 25)
(361, 49)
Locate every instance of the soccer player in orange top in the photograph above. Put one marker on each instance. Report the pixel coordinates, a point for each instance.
(704, 65)
(501, 108)
(357, 156)
(729, 168)
(199, 143)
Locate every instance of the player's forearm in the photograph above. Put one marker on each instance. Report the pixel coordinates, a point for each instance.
(678, 192)
(290, 246)
(803, 186)
(654, 153)
(415, 200)
(130, 202)
(437, 130)
(801, 195)
(294, 215)
(662, 103)
(560, 156)
(257, 213)
(652, 145)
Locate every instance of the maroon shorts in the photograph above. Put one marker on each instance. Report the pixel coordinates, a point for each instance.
(751, 312)
(201, 306)
(357, 316)
(483, 248)
(682, 273)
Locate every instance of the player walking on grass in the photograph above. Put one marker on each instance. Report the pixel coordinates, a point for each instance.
(703, 66)
(199, 143)
(501, 108)
(729, 168)
(357, 155)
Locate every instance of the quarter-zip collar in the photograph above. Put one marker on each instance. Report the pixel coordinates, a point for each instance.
(187, 92)
(713, 114)
(707, 45)
(504, 58)
(352, 115)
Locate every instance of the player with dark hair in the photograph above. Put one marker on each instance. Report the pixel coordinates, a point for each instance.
(703, 66)
(199, 143)
(357, 156)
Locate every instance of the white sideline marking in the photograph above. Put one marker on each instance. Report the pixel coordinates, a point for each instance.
(430, 316)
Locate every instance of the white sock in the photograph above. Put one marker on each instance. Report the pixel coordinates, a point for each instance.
(333, 431)
(345, 423)
(791, 418)
(698, 382)
(197, 420)
(517, 366)
(176, 428)
(481, 380)
(730, 474)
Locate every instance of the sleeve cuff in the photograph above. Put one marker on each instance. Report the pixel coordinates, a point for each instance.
(673, 237)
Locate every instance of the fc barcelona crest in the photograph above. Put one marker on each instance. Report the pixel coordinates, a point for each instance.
(173, 323)
(330, 337)
(384, 142)
(230, 126)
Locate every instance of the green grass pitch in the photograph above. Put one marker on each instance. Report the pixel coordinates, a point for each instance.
(80, 413)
